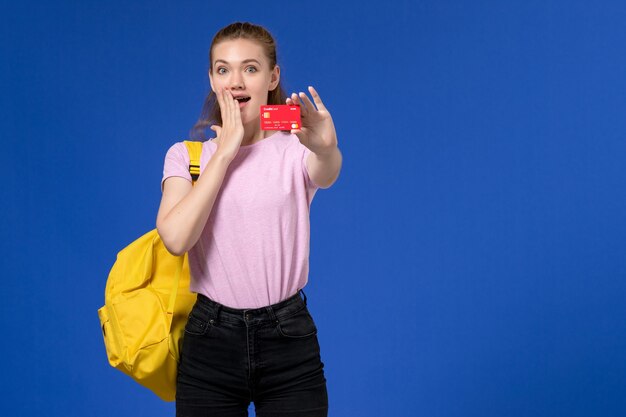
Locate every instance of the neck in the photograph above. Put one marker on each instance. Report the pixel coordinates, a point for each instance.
(253, 133)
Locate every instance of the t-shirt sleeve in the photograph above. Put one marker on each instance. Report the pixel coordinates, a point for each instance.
(311, 187)
(176, 163)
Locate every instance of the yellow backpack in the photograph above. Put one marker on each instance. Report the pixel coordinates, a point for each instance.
(147, 304)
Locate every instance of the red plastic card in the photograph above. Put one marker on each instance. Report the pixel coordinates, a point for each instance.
(280, 117)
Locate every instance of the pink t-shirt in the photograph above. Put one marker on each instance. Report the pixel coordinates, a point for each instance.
(254, 248)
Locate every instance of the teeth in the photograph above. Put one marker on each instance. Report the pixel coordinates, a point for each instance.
(243, 99)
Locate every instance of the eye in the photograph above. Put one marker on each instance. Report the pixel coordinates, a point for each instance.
(254, 68)
(218, 70)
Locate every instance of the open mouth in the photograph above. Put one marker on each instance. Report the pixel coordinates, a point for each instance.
(243, 99)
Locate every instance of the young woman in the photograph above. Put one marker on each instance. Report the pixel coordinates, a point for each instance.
(245, 224)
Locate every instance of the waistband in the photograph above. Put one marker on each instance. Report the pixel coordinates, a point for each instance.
(272, 312)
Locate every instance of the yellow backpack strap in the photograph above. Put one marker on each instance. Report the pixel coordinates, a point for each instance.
(195, 151)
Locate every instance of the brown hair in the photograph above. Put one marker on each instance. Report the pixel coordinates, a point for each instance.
(211, 113)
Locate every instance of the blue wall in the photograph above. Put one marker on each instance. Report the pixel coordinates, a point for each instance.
(468, 262)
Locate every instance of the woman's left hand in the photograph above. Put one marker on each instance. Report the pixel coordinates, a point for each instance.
(317, 131)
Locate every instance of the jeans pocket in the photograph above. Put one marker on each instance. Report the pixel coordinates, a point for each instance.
(298, 325)
(198, 323)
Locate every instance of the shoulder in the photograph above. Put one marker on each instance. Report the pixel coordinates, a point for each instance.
(176, 157)
(176, 148)
(178, 151)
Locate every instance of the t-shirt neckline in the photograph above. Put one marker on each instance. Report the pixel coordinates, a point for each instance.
(254, 145)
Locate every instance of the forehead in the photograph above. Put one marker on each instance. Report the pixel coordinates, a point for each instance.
(236, 50)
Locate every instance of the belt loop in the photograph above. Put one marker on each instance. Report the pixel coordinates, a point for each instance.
(301, 290)
(270, 311)
(217, 311)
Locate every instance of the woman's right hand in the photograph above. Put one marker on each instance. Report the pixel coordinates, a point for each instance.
(230, 134)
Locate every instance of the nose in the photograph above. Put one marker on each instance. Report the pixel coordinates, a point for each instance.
(236, 81)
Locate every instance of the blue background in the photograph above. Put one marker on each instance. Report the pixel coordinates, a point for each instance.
(469, 261)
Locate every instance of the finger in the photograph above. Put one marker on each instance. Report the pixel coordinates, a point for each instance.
(303, 110)
(217, 129)
(308, 104)
(236, 112)
(222, 103)
(226, 101)
(231, 109)
(317, 98)
(298, 133)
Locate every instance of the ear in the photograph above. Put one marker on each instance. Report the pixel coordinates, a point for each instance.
(275, 78)
(211, 80)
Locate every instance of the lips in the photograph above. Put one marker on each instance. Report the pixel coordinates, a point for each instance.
(242, 99)
(243, 104)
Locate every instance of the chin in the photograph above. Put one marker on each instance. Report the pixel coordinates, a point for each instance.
(251, 120)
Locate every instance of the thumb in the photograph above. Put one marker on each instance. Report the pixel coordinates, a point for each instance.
(299, 134)
(217, 129)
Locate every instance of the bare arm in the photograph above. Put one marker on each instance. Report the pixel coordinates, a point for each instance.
(185, 209)
(324, 169)
(319, 135)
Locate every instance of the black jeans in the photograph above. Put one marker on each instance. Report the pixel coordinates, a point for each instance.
(269, 355)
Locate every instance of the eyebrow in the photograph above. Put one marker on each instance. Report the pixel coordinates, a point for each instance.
(243, 62)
